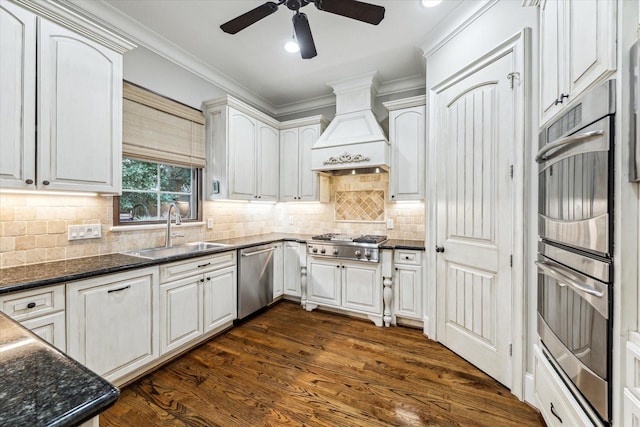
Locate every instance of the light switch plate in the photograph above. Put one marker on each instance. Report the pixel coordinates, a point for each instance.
(209, 222)
(389, 224)
(84, 231)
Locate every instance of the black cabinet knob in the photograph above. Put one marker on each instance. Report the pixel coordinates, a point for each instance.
(440, 249)
(29, 181)
(45, 183)
(31, 305)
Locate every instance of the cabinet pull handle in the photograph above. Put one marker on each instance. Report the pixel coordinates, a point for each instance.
(31, 305)
(554, 413)
(118, 289)
(201, 280)
(29, 181)
(45, 182)
(396, 268)
(204, 265)
(407, 257)
(208, 278)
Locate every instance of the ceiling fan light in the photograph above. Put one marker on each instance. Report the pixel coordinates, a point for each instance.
(292, 46)
(430, 3)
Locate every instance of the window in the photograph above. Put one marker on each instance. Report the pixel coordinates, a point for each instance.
(148, 188)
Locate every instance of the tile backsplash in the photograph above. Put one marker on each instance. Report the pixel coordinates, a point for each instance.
(362, 206)
(33, 228)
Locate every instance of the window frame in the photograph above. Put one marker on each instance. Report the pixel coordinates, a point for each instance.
(196, 183)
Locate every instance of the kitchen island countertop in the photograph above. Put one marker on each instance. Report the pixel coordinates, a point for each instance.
(39, 385)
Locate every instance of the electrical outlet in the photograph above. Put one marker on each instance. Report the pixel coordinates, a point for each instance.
(290, 219)
(389, 224)
(84, 231)
(209, 222)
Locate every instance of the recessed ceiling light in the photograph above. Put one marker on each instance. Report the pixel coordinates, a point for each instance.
(292, 46)
(430, 3)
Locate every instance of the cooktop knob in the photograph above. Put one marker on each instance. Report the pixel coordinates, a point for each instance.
(315, 250)
(367, 254)
(358, 253)
(323, 251)
(335, 251)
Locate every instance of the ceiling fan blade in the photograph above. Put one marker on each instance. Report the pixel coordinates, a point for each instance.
(251, 17)
(365, 12)
(303, 35)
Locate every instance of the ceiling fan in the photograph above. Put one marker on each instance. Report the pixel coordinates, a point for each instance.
(365, 12)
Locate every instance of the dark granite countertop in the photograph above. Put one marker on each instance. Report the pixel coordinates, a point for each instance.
(416, 245)
(20, 278)
(39, 385)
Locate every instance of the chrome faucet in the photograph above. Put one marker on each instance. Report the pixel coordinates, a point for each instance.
(178, 222)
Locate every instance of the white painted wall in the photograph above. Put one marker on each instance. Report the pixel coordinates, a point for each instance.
(153, 72)
(454, 44)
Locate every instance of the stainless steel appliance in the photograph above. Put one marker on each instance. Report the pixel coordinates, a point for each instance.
(575, 268)
(255, 279)
(346, 246)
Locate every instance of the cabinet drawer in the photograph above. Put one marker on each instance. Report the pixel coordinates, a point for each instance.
(37, 302)
(558, 407)
(407, 257)
(50, 328)
(181, 269)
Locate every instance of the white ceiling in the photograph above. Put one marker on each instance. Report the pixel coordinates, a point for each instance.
(254, 61)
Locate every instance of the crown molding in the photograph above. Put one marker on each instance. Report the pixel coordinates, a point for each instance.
(118, 22)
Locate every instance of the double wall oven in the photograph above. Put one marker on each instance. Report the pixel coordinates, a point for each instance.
(575, 267)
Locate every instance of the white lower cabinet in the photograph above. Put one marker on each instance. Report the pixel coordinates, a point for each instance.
(41, 310)
(220, 298)
(555, 402)
(350, 285)
(198, 296)
(278, 271)
(181, 319)
(407, 284)
(292, 267)
(112, 322)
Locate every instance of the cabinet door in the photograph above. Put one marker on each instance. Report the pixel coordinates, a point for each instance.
(308, 184)
(291, 269)
(113, 321)
(79, 112)
(323, 281)
(407, 137)
(180, 312)
(591, 42)
(551, 57)
(18, 99)
(268, 160)
(407, 291)
(220, 301)
(50, 328)
(278, 271)
(289, 164)
(242, 155)
(362, 287)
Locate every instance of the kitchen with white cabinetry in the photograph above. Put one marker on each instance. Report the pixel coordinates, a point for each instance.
(60, 122)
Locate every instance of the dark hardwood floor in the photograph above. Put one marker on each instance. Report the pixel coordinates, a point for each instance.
(289, 367)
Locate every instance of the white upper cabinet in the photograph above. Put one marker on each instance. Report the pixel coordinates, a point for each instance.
(577, 48)
(297, 180)
(407, 118)
(75, 98)
(242, 152)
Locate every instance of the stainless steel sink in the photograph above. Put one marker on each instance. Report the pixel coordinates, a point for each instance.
(187, 248)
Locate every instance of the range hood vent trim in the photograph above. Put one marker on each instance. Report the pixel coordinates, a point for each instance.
(354, 139)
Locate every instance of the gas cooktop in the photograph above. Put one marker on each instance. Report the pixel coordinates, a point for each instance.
(337, 237)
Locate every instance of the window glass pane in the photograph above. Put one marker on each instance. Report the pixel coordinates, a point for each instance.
(175, 179)
(138, 206)
(139, 175)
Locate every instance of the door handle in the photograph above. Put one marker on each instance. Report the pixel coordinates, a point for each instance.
(542, 156)
(439, 249)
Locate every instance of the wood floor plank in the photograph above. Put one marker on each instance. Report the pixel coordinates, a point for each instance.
(290, 367)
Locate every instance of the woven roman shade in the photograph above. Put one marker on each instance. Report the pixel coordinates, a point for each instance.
(158, 129)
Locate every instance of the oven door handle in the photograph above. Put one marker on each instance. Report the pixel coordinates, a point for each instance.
(553, 271)
(542, 156)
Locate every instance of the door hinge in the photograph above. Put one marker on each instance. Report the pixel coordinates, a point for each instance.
(510, 349)
(511, 171)
(510, 260)
(511, 76)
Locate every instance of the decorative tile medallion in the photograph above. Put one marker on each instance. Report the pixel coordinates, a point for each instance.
(364, 206)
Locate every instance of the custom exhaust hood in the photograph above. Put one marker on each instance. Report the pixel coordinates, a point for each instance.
(353, 142)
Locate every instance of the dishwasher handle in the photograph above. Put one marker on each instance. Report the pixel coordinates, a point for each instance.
(245, 254)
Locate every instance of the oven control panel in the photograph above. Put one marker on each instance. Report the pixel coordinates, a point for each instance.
(341, 251)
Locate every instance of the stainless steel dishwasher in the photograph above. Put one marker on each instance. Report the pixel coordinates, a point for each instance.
(255, 279)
